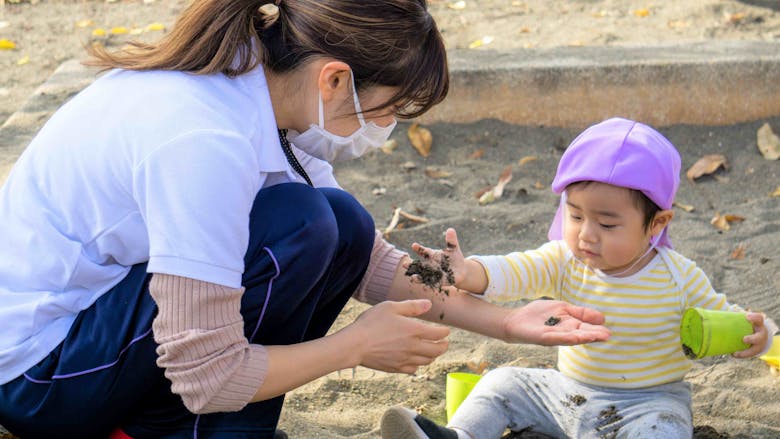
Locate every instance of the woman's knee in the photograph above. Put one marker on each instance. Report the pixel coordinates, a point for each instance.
(355, 224)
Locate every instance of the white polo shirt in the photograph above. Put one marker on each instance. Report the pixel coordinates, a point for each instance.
(140, 166)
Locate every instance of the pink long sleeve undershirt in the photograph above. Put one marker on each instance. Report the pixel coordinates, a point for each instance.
(200, 333)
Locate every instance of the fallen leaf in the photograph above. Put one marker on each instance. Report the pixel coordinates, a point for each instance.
(389, 146)
(685, 207)
(155, 27)
(84, 23)
(644, 12)
(599, 14)
(477, 154)
(477, 367)
(526, 159)
(23, 60)
(408, 166)
(768, 142)
(412, 217)
(776, 193)
(393, 221)
(576, 43)
(457, 5)
(723, 222)
(421, 139)
(436, 173)
(498, 190)
(677, 24)
(484, 41)
(119, 30)
(98, 32)
(734, 18)
(6, 44)
(538, 185)
(739, 252)
(706, 165)
(525, 30)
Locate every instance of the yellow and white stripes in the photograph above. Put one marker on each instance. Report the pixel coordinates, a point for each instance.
(643, 311)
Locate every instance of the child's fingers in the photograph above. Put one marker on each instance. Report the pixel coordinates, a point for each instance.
(756, 318)
(451, 238)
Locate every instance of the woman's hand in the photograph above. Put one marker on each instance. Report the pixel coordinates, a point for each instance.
(389, 338)
(552, 322)
(758, 339)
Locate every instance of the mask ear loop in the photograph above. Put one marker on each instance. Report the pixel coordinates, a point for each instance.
(358, 109)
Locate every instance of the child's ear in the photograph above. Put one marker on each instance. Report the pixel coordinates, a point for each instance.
(662, 219)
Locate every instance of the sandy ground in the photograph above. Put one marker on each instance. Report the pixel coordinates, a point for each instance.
(736, 398)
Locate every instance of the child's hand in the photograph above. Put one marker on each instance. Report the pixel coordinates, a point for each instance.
(450, 260)
(758, 339)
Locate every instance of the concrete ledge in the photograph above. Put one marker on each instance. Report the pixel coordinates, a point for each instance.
(713, 83)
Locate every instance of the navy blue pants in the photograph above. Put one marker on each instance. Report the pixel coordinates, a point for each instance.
(308, 251)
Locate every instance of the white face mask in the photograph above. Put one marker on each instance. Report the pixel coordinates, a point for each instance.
(324, 145)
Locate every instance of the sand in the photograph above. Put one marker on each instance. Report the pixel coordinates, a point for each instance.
(738, 398)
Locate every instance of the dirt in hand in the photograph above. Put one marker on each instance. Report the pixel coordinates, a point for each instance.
(432, 273)
(552, 321)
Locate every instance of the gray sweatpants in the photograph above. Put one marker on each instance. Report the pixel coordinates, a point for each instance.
(546, 401)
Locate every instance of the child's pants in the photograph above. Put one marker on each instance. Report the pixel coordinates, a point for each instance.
(308, 250)
(546, 401)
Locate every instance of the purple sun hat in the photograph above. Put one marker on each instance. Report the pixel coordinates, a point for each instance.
(624, 153)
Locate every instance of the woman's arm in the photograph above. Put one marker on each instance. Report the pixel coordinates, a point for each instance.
(214, 368)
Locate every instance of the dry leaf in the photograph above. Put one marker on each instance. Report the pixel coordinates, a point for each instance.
(734, 18)
(768, 142)
(525, 30)
(408, 166)
(389, 146)
(6, 44)
(498, 190)
(677, 24)
(457, 5)
(482, 192)
(393, 221)
(412, 217)
(706, 165)
(526, 159)
(421, 139)
(644, 12)
(484, 41)
(538, 185)
(685, 207)
(477, 154)
(155, 27)
(477, 368)
(723, 222)
(776, 193)
(739, 252)
(435, 173)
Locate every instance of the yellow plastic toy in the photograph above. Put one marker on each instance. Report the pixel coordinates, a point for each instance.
(772, 357)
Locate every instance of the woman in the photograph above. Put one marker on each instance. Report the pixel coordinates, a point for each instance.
(171, 260)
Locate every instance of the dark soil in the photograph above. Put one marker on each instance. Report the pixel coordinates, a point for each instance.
(432, 273)
(552, 321)
(707, 432)
(689, 352)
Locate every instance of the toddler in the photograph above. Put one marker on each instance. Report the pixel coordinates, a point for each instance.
(609, 249)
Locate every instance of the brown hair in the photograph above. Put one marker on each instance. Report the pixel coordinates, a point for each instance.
(390, 42)
(641, 201)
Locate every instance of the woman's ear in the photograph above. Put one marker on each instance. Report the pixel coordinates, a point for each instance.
(662, 219)
(333, 80)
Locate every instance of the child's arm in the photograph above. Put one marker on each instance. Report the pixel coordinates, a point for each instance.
(700, 293)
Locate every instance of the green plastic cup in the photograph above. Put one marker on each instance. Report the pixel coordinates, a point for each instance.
(459, 385)
(706, 332)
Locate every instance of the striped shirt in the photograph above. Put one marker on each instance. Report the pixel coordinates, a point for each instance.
(643, 310)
